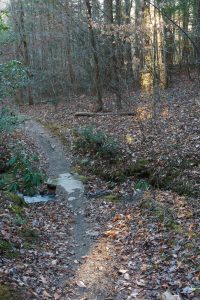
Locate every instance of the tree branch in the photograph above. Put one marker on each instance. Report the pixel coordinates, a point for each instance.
(175, 24)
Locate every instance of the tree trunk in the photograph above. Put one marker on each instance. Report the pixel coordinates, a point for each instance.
(25, 52)
(198, 35)
(129, 68)
(185, 42)
(96, 59)
(168, 53)
(139, 44)
(117, 59)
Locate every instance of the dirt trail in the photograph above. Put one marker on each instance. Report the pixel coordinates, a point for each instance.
(83, 242)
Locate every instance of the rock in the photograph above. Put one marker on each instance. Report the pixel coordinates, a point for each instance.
(168, 296)
(126, 276)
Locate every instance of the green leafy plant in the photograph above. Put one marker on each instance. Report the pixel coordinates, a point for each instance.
(13, 75)
(19, 221)
(16, 209)
(16, 199)
(5, 246)
(3, 25)
(8, 121)
(96, 143)
(142, 185)
(25, 176)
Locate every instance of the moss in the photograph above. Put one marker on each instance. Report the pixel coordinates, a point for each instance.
(139, 168)
(188, 163)
(83, 178)
(183, 189)
(12, 254)
(16, 209)
(76, 169)
(19, 221)
(28, 246)
(5, 246)
(171, 225)
(7, 249)
(9, 293)
(172, 181)
(118, 176)
(112, 198)
(147, 204)
(30, 235)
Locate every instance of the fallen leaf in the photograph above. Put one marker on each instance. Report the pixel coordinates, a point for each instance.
(81, 284)
(43, 279)
(111, 233)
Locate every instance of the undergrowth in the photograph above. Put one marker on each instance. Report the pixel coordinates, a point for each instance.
(103, 156)
(97, 144)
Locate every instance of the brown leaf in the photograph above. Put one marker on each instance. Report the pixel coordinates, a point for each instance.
(111, 233)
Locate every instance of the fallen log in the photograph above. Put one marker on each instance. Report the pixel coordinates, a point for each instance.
(93, 114)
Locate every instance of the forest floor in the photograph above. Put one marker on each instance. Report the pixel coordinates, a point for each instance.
(140, 213)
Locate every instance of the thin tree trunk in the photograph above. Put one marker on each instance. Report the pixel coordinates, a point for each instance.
(128, 6)
(96, 59)
(185, 45)
(198, 35)
(168, 53)
(19, 96)
(26, 52)
(139, 44)
(117, 59)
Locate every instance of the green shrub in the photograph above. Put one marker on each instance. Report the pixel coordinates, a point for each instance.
(142, 185)
(22, 167)
(96, 143)
(18, 200)
(7, 120)
(16, 209)
(5, 246)
(19, 221)
(13, 75)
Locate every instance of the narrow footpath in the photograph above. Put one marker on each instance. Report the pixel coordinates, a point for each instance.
(72, 234)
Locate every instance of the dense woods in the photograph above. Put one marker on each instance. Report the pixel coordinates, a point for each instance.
(99, 149)
(93, 47)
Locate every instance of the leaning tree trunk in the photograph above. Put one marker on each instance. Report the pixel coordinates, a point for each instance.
(95, 56)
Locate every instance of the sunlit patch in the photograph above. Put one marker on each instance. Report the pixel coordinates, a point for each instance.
(165, 113)
(143, 113)
(146, 82)
(98, 266)
(129, 139)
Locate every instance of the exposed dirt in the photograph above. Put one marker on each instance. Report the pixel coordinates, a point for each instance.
(57, 164)
(52, 264)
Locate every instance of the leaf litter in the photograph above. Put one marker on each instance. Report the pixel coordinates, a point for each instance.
(143, 249)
